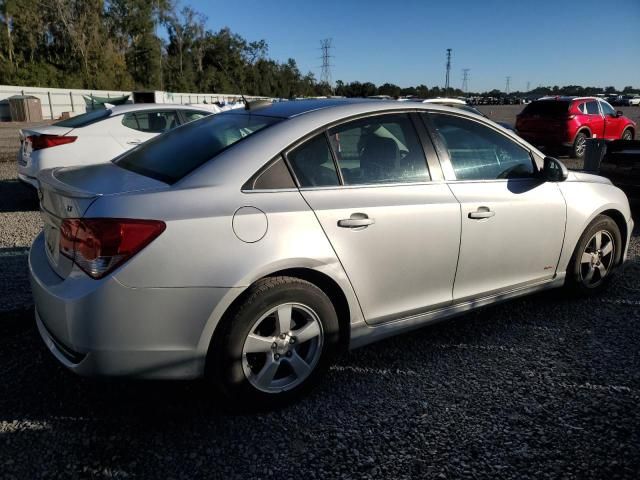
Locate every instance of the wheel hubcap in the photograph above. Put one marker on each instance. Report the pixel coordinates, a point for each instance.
(282, 348)
(597, 259)
(581, 145)
(626, 135)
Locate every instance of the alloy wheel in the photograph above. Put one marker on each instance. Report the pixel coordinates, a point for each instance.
(597, 259)
(282, 348)
(627, 135)
(581, 145)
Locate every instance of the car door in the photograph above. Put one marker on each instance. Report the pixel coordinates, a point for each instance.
(594, 119)
(512, 221)
(138, 127)
(613, 124)
(392, 221)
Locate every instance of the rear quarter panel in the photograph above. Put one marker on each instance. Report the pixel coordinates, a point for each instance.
(587, 199)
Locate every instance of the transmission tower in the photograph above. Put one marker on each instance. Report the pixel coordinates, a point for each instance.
(508, 84)
(446, 81)
(325, 74)
(465, 79)
(528, 86)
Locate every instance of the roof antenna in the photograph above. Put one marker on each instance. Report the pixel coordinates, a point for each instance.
(247, 104)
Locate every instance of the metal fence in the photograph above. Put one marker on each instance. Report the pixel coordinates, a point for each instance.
(56, 101)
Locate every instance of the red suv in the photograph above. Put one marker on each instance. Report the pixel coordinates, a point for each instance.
(560, 122)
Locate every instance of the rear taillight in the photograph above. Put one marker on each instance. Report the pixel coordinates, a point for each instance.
(99, 245)
(38, 142)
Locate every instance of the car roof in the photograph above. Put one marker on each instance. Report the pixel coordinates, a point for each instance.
(565, 98)
(293, 108)
(445, 101)
(137, 107)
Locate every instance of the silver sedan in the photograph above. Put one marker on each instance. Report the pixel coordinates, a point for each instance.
(253, 246)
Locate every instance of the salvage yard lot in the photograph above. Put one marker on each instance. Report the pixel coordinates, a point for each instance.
(545, 386)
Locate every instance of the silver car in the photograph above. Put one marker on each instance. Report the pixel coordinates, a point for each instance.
(253, 246)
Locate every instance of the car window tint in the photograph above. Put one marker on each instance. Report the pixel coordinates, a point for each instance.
(192, 115)
(582, 108)
(170, 157)
(592, 108)
(273, 176)
(313, 164)
(478, 152)
(151, 122)
(607, 109)
(379, 149)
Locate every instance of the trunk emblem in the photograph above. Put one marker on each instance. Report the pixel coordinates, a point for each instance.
(69, 208)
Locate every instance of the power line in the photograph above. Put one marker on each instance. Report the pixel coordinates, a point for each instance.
(465, 79)
(446, 82)
(325, 46)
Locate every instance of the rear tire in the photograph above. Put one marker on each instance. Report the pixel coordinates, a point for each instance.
(275, 346)
(579, 146)
(627, 135)
(595, 258)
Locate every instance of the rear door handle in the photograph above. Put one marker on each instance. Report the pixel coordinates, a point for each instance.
(481, 212)
(357, 220)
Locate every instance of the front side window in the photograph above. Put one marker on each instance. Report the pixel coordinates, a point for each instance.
(313, 164)
(478, 152)
(592, 108)
(607, 109)
(379, 149)
(170, 157)
(151, 122)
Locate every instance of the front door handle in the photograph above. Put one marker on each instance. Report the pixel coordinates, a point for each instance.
(357, 220)
(481, 212)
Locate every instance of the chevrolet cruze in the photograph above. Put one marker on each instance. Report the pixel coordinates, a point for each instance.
(251, 247)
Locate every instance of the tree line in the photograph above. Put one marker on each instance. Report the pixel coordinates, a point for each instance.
(117, 45)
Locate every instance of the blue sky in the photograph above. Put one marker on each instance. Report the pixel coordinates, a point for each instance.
(544, 42)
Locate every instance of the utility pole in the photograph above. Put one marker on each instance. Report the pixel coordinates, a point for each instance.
(325, 74)
(446, 82)
(465, 80)
(508, 84)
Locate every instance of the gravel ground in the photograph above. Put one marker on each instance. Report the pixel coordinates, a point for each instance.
(541, 387)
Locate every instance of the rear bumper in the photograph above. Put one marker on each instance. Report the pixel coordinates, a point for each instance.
(103, 328)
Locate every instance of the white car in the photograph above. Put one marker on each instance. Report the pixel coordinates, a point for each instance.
(634, 101)
(99, 136)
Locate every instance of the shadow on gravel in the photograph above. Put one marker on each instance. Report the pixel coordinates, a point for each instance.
(17, 197)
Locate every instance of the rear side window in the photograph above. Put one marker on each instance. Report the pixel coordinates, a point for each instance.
(170, 157)
(379, 149)
(84, 119)
(592, 108)
(151, 122)
(582, 107)
(478, 152)
(274, 175)
(547, 108)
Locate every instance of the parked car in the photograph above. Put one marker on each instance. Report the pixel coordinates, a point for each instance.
(252, 246)
(632, 100)
(461, 104)
(99, 135)
(621, 164)
(567, 122)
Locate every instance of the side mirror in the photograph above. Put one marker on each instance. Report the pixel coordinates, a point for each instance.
(554, 170)
(619, 113)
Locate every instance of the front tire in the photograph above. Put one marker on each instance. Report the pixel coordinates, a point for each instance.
(627, 135)
(595, 258)
(579, 146)
(275, 346)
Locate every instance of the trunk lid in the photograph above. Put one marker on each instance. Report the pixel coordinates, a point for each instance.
(24, 154)
(69, 192)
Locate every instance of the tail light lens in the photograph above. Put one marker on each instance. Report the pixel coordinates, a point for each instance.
(99, 245)
(38, 142)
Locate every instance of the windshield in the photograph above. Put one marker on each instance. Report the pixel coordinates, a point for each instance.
(172, 156)
(546, 108)
(84, 119)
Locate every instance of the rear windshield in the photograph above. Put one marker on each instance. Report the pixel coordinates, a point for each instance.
(546, 108)
(171, 156)
(84, 119)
